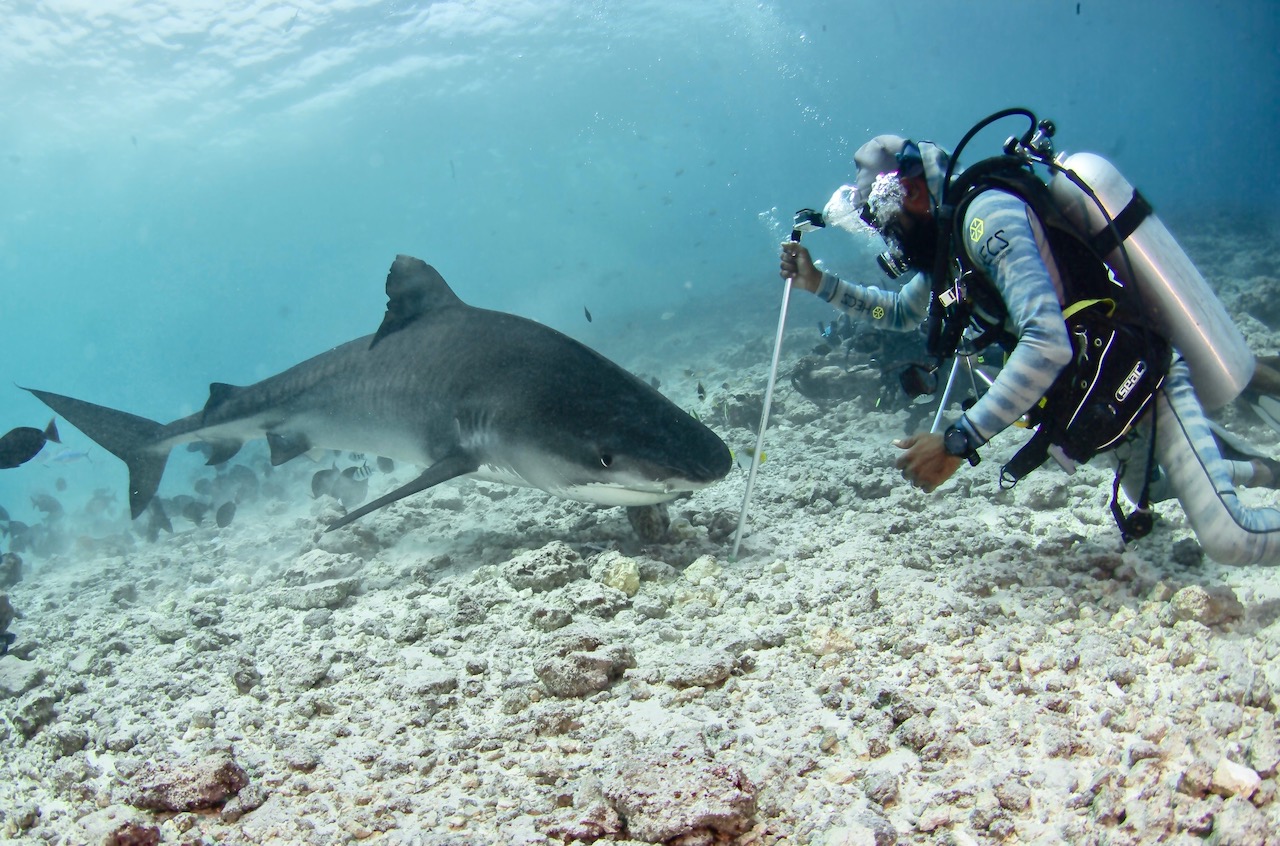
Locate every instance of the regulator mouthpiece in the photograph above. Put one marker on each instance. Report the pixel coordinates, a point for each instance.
(844, 210)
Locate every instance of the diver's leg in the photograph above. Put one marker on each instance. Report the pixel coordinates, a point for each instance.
(1188, 455)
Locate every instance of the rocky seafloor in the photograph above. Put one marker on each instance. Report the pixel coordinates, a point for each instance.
(482, 664)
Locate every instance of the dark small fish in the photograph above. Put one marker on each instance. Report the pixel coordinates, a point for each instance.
(322, 481)
(226, 512)
(351, 487)
(4, 515)
(101, 501)
(20, 445)
(293, 20)
(19, 536)
(386, 465)
(655, 382)
(356, 456)
(587, 313)
(194, 509)
(157, 520)
(702, 392)
(47, 504)
(204, 487)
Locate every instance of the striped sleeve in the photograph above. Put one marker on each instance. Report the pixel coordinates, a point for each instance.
(897, 311)
(1003, 243)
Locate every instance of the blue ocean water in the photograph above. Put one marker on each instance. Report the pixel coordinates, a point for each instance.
(196, 191)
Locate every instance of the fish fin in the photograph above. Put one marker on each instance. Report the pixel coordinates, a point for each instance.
(51, 431)
(219, 394)
(413, 288)
(126, 436)
(1268, 408)
(1233, 447)
(221, 451)
(449, 467)
(286, 447)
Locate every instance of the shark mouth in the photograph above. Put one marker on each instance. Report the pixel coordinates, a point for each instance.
(622, 489)
(605, 493)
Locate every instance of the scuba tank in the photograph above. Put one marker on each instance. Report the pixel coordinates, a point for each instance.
(1144, 274)
(1175, 299)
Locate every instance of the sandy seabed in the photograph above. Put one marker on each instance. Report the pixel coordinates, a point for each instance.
(481, 664)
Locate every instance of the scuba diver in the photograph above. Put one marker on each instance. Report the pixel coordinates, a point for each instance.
(1114, 343)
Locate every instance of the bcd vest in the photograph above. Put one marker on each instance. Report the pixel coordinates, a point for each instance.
(1118, 363)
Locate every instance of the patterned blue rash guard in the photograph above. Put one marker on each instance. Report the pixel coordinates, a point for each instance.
(1006, 241)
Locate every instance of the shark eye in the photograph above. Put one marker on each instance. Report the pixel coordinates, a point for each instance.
(606, 460)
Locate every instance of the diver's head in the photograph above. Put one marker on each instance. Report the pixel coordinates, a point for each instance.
(899, 184)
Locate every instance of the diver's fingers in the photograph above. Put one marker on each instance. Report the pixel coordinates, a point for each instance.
(789, 264)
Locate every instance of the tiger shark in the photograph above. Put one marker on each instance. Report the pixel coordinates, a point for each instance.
(459, 390)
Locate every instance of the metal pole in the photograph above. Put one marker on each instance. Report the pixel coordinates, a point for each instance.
(806, 220)
(946, 395)
(764, 415)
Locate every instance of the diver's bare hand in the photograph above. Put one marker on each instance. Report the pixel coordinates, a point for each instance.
(797, 265)
(925, 463)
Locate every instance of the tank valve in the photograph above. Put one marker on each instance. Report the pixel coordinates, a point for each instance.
(1042, 141)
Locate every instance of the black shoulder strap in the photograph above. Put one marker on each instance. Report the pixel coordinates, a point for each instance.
(946, 326)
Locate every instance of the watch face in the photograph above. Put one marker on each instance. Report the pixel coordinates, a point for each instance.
(955, 442)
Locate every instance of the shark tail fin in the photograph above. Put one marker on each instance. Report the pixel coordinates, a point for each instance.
(127, 436)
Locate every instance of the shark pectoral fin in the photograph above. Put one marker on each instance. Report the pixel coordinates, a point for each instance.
(286, 447)
(220, 452)
(413, 288)
(449, 467)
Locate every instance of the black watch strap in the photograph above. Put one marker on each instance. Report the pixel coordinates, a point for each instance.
(956, 442)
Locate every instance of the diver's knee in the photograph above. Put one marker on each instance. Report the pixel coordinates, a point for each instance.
(1233, 545)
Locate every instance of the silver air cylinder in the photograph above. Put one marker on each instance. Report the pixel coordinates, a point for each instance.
(1175, 297)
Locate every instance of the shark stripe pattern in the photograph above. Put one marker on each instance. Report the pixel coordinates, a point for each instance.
(459, 390)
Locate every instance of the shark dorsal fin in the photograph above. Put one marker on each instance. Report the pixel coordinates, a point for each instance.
(219, 393)
(413, 288)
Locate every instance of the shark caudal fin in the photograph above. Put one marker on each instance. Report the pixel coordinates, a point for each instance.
(127, 436)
